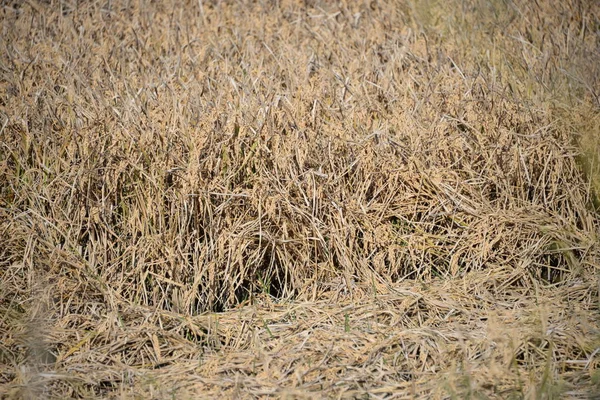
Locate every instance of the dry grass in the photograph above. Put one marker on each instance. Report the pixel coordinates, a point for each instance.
(299, 199)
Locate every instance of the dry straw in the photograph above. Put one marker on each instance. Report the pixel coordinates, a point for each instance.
(299, 199)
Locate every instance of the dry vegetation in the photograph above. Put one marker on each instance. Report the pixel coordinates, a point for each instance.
(299, 199)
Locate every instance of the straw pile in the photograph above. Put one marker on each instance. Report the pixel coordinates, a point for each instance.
(299, 199)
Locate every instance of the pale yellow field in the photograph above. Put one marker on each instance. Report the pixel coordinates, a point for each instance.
(299, 199)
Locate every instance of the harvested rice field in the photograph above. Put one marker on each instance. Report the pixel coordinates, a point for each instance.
(299, 199)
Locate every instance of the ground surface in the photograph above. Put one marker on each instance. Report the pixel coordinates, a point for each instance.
(299, 199)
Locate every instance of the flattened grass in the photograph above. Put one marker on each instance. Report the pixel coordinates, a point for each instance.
(299, 199)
